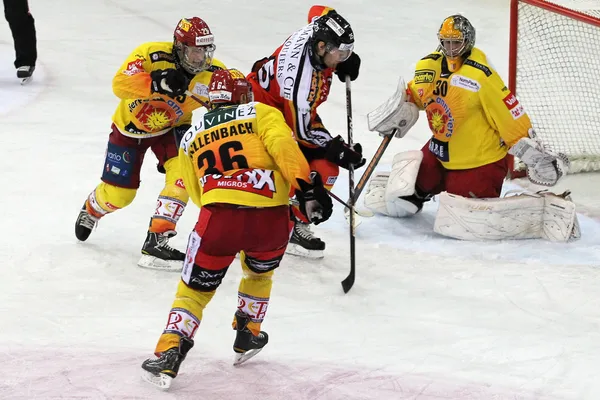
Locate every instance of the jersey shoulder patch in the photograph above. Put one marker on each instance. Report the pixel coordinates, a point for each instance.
(161, 56)
(432, 56)
(479, 66)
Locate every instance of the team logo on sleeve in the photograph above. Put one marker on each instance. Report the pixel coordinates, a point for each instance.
(513, 105)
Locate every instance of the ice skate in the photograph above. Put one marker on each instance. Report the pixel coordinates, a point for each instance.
(303, 243)
(157, 254)
(162, 370)
(247, 345)
(25, 73)
(85, 223)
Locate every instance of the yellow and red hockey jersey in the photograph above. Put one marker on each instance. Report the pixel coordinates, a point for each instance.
(142, 114)
(244, 155)
(473, 116)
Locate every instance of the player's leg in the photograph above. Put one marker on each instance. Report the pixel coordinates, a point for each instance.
(303, 242)
(171, 202)
(120, 181)
(22, 26)
(481, 182)
(415, 177)
(211, 248)
(263, 251)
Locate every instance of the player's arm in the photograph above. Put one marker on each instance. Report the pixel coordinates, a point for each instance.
(277, 137)
(503, 110)
(132, 80)
(280, 144)
(508, 117)
(190, 180)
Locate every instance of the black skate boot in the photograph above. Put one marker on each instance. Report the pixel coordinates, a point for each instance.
(25, 72)
(415, 201)
(246, 345)
(157, 254)
(84, 224)
(304, 243)
(162, 370)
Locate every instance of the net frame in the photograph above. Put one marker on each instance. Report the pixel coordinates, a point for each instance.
(517, 170)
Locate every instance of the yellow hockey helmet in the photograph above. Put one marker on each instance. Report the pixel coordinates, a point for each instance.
(456, 36)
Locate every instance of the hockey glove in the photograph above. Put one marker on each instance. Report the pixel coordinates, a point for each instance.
(313, 199)
(170, 82)
(343, 155)
(544, 167)
(349, 67)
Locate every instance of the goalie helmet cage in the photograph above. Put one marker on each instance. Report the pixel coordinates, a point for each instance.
(554, 70)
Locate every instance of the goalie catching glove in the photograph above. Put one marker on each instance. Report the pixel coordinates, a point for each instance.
(544, 167)
(313, 199)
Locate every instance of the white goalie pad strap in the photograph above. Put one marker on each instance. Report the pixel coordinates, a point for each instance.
(560, 219)
(516, 217)
(524, 216)
(395, 116)
(403, 176)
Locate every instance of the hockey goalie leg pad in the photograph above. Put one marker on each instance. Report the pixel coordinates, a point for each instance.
(403, 176)
(560, 223)
(375, 199)
(375, 196)
(515, 217)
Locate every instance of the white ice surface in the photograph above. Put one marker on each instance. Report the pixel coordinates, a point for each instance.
(428, 318)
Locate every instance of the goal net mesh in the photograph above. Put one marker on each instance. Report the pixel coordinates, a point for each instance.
(557, 76)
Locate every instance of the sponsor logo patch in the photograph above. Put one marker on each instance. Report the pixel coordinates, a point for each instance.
(134, 67)
(465, 83)
(424, 76)
(513, 105)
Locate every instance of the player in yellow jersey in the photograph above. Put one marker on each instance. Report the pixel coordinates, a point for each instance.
(475, 123)
(239, 163)
(153, 113)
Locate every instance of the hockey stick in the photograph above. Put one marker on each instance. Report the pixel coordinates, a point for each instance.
(349, 281)
(362, 183)
(197, 99)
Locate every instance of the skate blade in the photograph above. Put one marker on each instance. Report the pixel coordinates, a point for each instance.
(161, 381)
(151, 262)
(297, 250)
(241, 358)
(25, 81)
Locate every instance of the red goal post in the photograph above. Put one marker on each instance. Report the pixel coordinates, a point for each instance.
(554, 70)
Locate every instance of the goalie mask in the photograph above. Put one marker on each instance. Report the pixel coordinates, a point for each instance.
(456, 36)
(193, 45)
(229, 86)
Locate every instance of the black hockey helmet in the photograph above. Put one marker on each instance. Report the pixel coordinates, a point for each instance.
(335, 32)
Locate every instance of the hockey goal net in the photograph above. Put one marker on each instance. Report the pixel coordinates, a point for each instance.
(554, 70)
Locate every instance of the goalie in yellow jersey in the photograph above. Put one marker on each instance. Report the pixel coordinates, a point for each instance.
(153, 113)
(475, 123)
(238, 163)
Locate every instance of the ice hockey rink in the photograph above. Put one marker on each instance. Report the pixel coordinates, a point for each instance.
(428, 318)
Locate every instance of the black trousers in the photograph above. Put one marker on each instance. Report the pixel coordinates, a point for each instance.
(22, 26)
